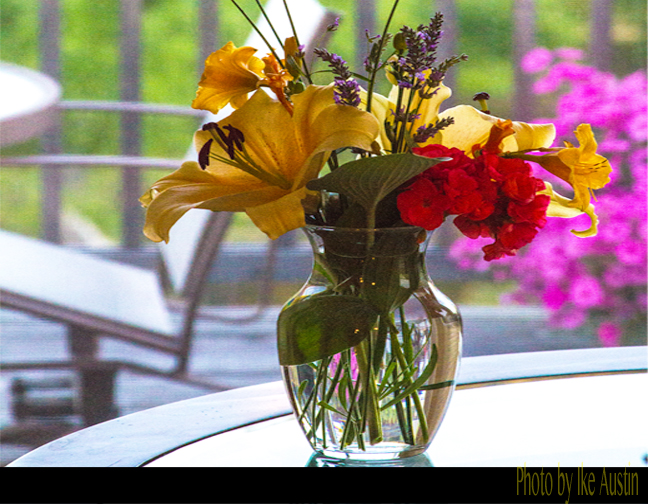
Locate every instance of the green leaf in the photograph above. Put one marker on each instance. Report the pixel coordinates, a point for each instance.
(439, 385)
(302, 387)
(427, 372)
(321, 326)
(369, 180)
(327, 406)
(387, 283)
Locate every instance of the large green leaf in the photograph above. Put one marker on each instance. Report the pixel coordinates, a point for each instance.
(387, 283)
(391, 272)
(369, 180)
(321, 326)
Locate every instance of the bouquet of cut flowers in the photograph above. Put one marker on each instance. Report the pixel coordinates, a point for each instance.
(267, 158)
(297, 154)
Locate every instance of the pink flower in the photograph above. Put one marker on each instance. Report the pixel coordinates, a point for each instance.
(569, 318)
(536, 60)
(554, 297)
(609, 334)
(578, 279)
(631, 252)
(586, 292)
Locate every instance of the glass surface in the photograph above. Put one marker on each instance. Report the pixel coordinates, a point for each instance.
(595, 421)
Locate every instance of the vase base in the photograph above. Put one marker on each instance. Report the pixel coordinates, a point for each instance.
(411, 459)
(386, 452)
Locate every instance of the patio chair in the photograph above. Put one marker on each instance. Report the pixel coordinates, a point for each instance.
(98, 298)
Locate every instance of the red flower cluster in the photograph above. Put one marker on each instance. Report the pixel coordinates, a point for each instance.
(492, 197)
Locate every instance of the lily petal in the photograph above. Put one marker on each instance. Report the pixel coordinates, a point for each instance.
(381, 109)
(281, 215)
(472, 127)
(191, 187)
(560, 206)
(230, 74)
(581, 166)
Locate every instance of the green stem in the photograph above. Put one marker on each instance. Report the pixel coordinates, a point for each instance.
(263, 12)
(405, 426)
(372, 80)
(379, 346)
(370, 406)
(294, 31)
(351, 412)
(397, 351)
(254, 26)
(401, 134)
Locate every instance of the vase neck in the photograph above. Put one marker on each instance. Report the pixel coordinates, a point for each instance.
(358, 255)
(361, 243)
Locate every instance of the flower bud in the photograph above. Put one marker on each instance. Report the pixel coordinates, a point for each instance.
(399, 42)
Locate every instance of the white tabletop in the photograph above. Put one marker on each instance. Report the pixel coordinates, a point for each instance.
(27, 103)
(592, 420)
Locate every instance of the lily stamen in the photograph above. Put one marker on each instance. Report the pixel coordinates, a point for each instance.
(233, 144)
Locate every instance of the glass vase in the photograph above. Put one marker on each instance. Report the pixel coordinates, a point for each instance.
(369, 346)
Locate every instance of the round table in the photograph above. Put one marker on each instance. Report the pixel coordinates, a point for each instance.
(27, 103)
(567, 407)
(566, 422)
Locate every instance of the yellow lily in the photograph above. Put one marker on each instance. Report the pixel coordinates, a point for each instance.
(230, 74)
(580, 166)
(471, 127)
(285, 151)
(384, 109)
(583, 169)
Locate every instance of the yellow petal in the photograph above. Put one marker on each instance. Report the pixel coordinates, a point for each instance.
(586, 140)
(383, 109)
(171, 197)
(280, 216)
(230, 74)
(191, 187)
(588, 167)
(322, 125)
(559, 206)
(270, 135)
(472, 127)
(585, 169)
(533, 136)
(238, 100)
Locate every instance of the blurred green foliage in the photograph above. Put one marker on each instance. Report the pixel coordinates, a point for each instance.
(170, 71)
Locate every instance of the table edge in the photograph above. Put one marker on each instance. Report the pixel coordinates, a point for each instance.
(136, 439)
(40, 116)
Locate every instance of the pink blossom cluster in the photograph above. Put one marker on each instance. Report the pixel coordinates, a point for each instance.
(599, 280)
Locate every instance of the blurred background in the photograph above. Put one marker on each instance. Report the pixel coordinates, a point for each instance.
(564, 61)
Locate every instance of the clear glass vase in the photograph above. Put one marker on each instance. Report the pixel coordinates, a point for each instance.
(369, 346)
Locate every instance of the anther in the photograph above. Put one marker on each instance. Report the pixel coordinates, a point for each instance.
(203, 155)
(482, 98)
